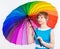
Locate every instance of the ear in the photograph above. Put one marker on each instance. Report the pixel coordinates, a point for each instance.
(47, 19)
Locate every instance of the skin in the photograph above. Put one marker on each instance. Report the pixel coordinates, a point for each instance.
(43, 25)
(30, 34)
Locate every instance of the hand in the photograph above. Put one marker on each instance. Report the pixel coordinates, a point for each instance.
(29, 25)
(41, 40)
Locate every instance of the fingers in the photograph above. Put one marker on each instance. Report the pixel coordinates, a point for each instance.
(39, 38)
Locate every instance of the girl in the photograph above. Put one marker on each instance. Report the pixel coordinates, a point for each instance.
(45, 39)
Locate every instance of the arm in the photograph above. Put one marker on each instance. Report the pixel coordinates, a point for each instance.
(30, 34)
(51, 44)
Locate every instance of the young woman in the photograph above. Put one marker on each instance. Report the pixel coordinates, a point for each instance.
(45, 39)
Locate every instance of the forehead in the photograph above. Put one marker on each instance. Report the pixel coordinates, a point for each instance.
(40, 15)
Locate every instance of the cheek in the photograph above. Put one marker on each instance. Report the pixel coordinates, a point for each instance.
(39, 19)
(44, 20)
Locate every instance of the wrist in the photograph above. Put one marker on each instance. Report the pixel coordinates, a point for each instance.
(42, 42)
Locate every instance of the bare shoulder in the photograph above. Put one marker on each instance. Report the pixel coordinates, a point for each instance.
(52, 32)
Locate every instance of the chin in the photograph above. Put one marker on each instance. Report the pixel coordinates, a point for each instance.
(40, 23)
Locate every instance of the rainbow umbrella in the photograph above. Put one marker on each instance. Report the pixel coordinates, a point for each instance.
(16, 24)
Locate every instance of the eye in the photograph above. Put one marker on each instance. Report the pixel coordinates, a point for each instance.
(41, 17)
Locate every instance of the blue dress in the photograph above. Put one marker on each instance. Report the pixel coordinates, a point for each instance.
(45, 35)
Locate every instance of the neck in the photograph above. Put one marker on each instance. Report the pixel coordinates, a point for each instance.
(43, 26)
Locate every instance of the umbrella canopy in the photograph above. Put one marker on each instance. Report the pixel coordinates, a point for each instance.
(15, 26)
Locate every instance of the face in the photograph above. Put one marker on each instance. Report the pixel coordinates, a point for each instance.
(41, 19)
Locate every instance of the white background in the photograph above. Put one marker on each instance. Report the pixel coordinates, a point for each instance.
(6, 6)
